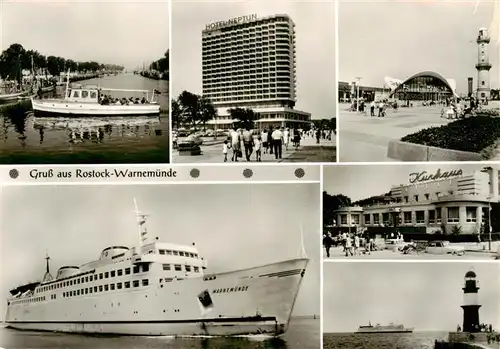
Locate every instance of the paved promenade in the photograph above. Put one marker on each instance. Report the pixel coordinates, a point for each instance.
(308, 151)
(366, 138)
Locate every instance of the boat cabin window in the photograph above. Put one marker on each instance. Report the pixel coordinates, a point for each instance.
(112, 287)
(127, 284)
(169, 252)
(136, 283)
(100, 276)
(119, 286)
(145, 268)
(112, 273)
(178, 267)
(145, 282)
(196, 269)
(106, 287)
(100, 288)
(93, 94)
(120, 272)
(136, 269)
(106, 275)
(188, 268)
(127, 271)
(76, 94)
(85, 94)
(166, 267)
(176, 253)
(181, 253)
(162, 251)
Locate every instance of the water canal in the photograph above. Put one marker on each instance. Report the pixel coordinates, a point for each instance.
(26, 139)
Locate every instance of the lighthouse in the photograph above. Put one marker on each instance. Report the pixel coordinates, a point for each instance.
(483, 65)
(471, 303)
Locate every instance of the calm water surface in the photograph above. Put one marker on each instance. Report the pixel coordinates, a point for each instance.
(303, 334)
(415, 340)
(25, 138)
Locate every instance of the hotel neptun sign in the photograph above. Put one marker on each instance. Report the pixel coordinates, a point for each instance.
(229, 22)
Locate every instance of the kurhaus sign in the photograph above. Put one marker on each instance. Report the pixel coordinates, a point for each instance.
(423, 176)
(233, 21)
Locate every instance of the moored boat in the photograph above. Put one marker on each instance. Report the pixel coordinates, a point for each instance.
(84, 101)
(158, 288)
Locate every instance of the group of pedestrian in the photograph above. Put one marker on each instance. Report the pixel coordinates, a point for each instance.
(269, 141)
(351, 244)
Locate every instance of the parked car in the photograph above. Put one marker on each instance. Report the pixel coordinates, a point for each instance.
(196, 139)
(444, 247)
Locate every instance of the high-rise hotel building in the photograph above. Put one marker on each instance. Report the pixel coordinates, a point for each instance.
(249, 62)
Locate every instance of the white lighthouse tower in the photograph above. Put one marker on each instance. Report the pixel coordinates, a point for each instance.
(483, 65)
(471, 303)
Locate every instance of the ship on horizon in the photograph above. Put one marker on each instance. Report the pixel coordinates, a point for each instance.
(158, 288)
(391, 328)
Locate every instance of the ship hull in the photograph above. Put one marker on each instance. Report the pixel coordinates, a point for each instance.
(58, 108)
(388, 331)
(252, 301)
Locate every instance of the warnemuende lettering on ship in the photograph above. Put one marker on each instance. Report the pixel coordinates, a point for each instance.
(104, 173)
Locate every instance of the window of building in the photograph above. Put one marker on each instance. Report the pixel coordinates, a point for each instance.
(113, 273)
(438, 215)
(106, 287)
(86, 279)
(420, 215)
(405, 198)
(119, 272)
(385, 218)
(112, 287)
(453, 215)
(355, 219)
(135, 269)
(145, 282)
(100, 288)
(95, 289)
(427, 196)
(471, 214)
(177, 267)
(90, 289)
(407, 217)
(432, 216)
(343, 219)
(415, 197)
(366, 217)
(100, 276)
(376, 218)
(119, 286)
(127, 271)
(86, 290)
(127, 284)
(106, 275)
(136, 283)
(145, 268)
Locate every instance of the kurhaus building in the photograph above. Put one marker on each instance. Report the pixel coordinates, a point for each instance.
(451, 199)
(249, 62)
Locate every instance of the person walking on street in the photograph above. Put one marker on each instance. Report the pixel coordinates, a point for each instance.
(277, 138)
(248, 143)
(327, 243)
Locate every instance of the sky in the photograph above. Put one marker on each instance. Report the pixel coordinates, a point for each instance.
(80, 221)
(426, 296)
(399, 38)
(315, 41)
(356, 182)
(109, 32)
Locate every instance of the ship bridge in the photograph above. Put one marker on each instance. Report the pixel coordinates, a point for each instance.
(113, 252)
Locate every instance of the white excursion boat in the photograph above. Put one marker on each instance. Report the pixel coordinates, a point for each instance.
(81, 101)
(158, 288)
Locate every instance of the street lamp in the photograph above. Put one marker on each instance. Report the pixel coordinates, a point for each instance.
(357, 100)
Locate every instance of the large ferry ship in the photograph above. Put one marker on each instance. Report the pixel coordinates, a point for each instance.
(158, 288)
(391, 328)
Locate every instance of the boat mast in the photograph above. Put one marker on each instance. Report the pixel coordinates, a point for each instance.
(143, 232)
(47, 277)
(67, 85)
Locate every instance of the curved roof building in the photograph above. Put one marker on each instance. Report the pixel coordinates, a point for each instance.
(425, 85)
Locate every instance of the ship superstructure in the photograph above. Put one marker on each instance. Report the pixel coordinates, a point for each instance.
(391, 328)
(158, 288)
